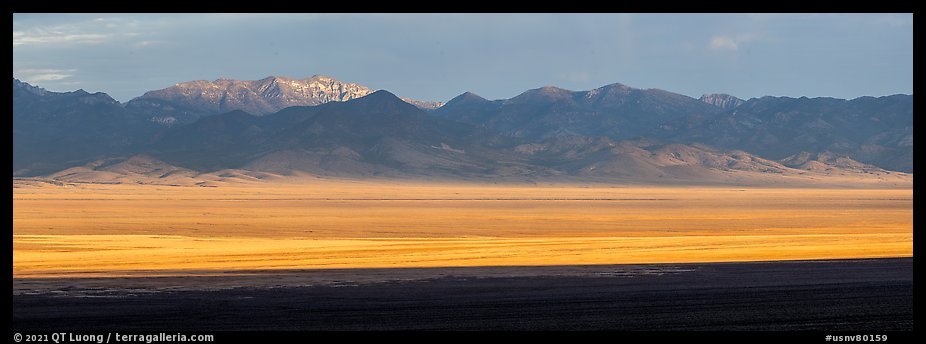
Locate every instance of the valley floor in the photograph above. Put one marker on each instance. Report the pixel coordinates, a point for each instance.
(385, 255)
(88, 230)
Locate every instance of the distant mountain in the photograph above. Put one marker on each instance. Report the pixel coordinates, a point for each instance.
(723, 101)
(876, 131)
(53, 130)
(187, 101)
(614, 134)
(374, 135)
(469, 108)
(616, 111)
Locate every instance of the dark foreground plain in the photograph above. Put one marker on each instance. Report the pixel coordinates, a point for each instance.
(831, 295)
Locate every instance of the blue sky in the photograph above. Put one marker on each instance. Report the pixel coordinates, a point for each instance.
(439, 56)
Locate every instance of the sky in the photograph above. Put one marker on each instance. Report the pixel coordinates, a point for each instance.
(439, 56)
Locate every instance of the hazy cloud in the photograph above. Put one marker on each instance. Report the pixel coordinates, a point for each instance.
(95, 31)
(55, 37)
(723, 43)
(40, 76)
(731, 42)
(146, 44)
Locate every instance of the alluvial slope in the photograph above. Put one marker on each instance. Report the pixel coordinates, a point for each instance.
(647, 161)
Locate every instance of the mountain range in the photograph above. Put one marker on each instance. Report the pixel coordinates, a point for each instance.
(876, 131)
(187, 101)
(205, 132)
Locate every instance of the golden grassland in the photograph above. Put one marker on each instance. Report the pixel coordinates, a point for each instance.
(120, 230)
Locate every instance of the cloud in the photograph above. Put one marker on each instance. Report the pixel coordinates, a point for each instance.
(731, 42)
(723, 43)
(34, 76)
(146, 44)
(95, 31)
(55, 37)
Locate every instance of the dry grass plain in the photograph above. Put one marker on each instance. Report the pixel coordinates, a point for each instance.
(95, 230)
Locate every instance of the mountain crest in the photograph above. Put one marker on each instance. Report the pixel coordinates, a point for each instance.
(382, 101)
(320, 77)
(258, 97)
(615, 86)
(467, 97)
(723, 101)
(543, 94)
(382, 95)
(615, 89)
(24, 86)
